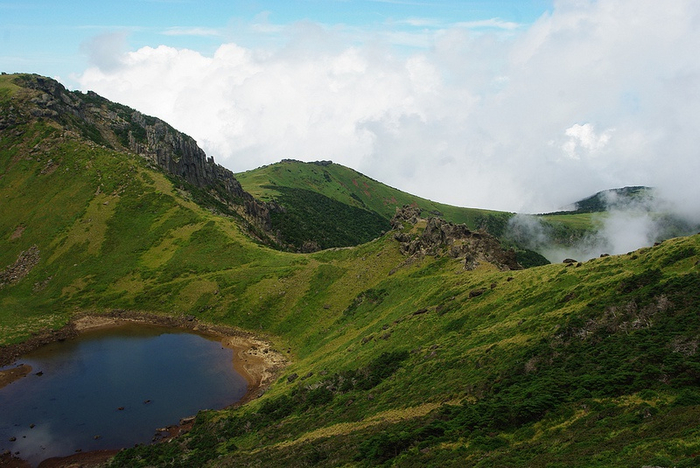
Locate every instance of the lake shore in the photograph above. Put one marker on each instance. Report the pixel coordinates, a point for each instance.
(254, 358)
(8, 376)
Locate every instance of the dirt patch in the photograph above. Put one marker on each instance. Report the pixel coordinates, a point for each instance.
(96, 458)
(8, 460)
(91, 322)
(17, 233)
(50, 168)
(255, 360)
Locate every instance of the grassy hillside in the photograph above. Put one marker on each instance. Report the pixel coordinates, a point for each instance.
(328, 205)
(350, 187)
(590, 365)
(325, 188)
(396, 360)
(600, 201)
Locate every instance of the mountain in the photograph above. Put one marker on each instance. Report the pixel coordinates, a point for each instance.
(597, 222)
(426, 346)
(604, 200)
(305, 193)
(321, 204)
(112, 126)
(352, 188)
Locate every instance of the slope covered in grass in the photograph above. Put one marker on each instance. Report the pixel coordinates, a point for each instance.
(322, 187)
(347, 186)
(396, 360)
(323, 204)
(432, 365)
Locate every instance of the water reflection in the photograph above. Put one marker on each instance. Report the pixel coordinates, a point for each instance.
(112, 388)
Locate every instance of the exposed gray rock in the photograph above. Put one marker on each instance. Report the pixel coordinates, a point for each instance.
(13, 274)
(122, 128)
(440, 238)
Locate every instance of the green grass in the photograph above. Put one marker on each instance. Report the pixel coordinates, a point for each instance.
(394, 361)
(310, 217)
(577, 222)
(355, 189)
(560, 365)
(7, 87)
(349, 187)
(319, 197)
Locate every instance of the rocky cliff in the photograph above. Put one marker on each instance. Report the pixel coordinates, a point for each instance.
(121, 128)
(435, 236)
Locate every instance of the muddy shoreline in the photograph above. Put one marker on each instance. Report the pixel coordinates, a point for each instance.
(255, 359)
(10, 375)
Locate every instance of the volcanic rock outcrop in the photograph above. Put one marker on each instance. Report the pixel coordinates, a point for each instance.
(121, 128)
(440, 237)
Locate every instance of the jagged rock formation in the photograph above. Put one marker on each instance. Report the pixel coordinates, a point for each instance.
(121, 128)
(440, 237)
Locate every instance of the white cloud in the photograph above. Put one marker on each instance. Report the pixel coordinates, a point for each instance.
(594, 95)
(630, 223)
(106, 50)
(419, 22)
(583, 138)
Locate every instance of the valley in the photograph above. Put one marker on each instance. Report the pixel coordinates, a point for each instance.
(410, 341)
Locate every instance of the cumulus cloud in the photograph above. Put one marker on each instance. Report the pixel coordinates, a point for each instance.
(593, 95)
(584, 138)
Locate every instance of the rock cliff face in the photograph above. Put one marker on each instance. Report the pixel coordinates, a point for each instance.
(122, 128)
(440, 237)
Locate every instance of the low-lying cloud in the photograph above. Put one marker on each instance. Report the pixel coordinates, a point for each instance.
(627, 225)
(593, 95)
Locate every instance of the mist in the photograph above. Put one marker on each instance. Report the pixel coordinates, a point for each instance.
(626, 225)
(592, 95)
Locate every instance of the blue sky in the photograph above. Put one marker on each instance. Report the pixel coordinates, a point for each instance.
(50, 37)
(522, 106)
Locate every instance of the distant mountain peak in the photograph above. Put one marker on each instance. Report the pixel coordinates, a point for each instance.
(605, 200)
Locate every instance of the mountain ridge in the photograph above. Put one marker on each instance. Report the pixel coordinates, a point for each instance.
(119, 127)
(610, 198)
(400, 353)
(301, 213)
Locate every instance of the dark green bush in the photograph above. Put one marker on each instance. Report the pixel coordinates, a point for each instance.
(310, 217)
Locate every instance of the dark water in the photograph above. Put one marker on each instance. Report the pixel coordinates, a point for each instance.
(156, 375)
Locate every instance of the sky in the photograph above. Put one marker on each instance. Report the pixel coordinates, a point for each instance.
(521, 106)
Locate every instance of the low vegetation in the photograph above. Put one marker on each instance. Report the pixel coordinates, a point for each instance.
(395, 360)
(323, 188)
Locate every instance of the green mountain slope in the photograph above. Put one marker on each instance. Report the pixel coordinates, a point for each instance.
(595, 365)
(350, 187)
(324, 189)
(601, 200)
(401, 354)
(585, 223)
